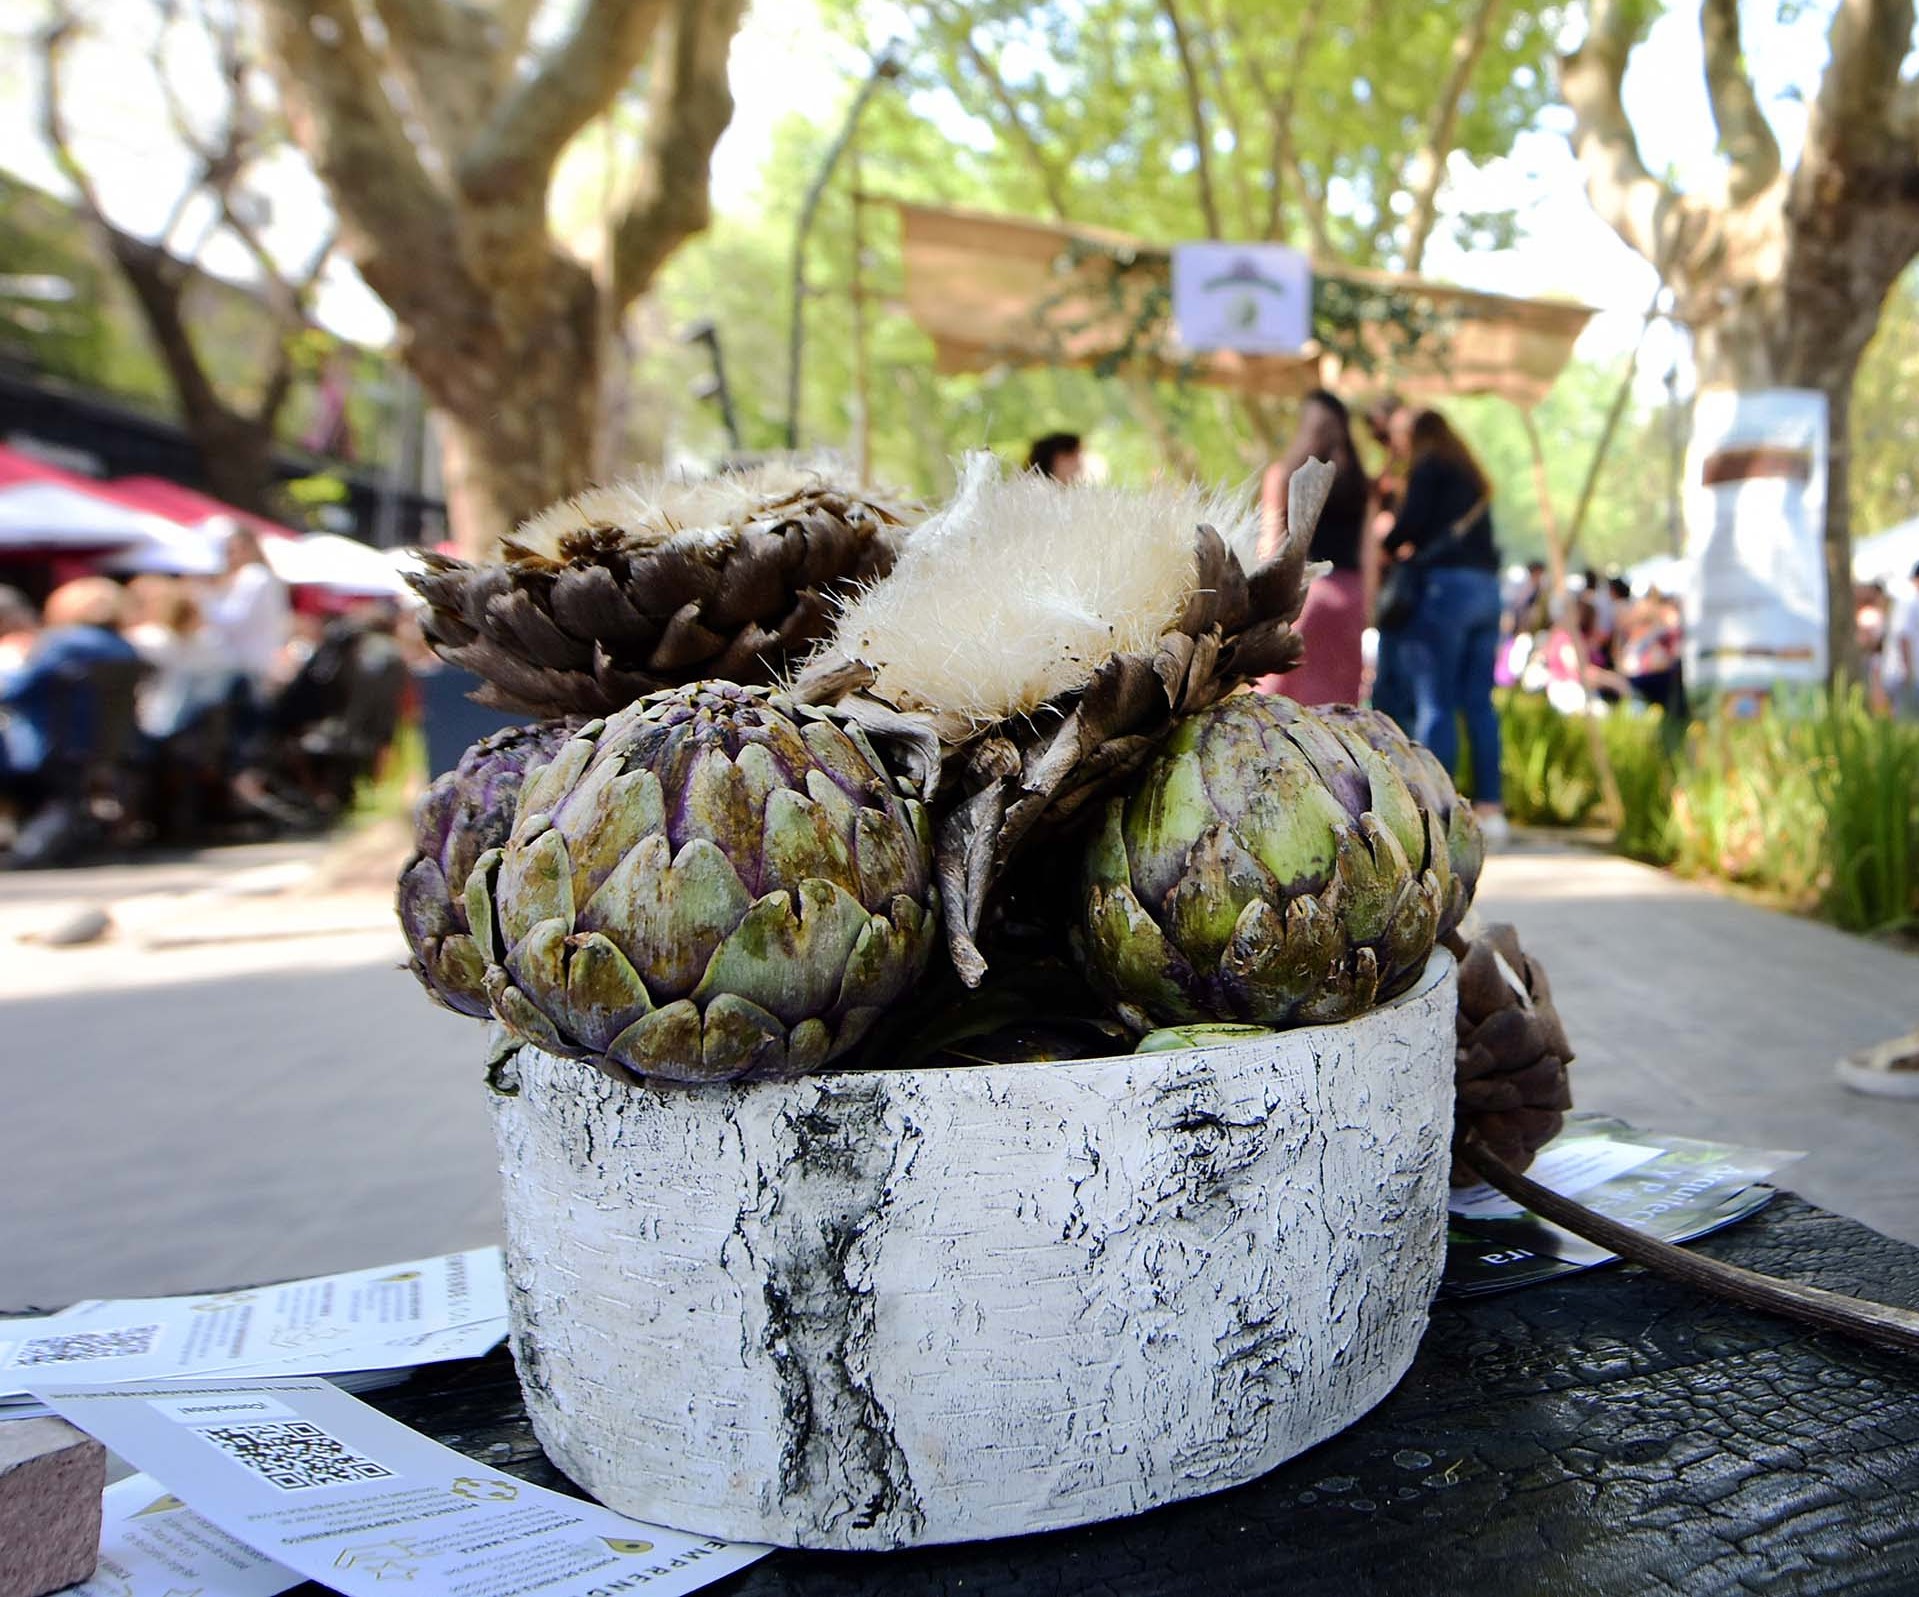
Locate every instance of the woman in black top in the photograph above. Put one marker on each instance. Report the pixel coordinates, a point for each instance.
(1448, 647)
(1337, 603)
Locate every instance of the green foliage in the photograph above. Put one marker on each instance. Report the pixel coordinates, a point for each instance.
(1819, 810)
(1630, 516)
(1885, 423)
(1007, 108)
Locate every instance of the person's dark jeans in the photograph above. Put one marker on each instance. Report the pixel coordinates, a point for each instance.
(1392, 693)
(1446, 653)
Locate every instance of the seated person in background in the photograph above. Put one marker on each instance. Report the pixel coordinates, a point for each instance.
(187, 671)
(1057, 455)
(81, 618)
(19, 625)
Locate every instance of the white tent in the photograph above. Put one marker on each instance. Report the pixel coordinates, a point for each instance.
(51, 516)
(177, 551)
(1670, 574)
(327, 560)
(1888, 556)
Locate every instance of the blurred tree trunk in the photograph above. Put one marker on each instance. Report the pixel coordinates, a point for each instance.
(1781, 275)
(438, 149)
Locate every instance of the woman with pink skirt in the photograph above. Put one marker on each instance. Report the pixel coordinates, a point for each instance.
(1339, 603)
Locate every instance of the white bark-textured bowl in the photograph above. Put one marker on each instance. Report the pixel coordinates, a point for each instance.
(884, 1308)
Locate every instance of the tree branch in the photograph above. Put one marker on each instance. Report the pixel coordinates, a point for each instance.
(1643, 211)
(398, 225)
(1428, 167)
(1284, 167)
(54, 39)
(513, 156)
(1052, 183)
(1196, 114)
(1744, 133)
(1227, 100)
(689, 104)
(443, 55)
(1857, 110)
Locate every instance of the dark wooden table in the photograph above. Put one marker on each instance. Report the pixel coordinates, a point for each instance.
(1605, 1434)
(1609, 1433)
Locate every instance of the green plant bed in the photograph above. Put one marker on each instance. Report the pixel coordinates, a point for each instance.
(1818, 811)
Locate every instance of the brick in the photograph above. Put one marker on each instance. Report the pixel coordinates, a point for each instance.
(51, 1477)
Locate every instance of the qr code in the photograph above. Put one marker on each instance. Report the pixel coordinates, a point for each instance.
(78, 1345)
(293, 1454)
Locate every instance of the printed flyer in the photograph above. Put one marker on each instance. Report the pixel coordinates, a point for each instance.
(314, 1479)
(394, 1316)
(1672, 1188)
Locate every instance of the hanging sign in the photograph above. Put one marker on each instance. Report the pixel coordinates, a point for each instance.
(1755, 532)
(1256, 299)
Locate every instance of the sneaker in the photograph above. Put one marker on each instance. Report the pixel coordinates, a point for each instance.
(1494, 828)
(1885, 1070)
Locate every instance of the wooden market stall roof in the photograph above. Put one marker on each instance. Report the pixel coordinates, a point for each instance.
(1001, 290)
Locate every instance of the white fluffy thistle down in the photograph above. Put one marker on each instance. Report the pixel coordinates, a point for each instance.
(657, 507)
(1020, 587)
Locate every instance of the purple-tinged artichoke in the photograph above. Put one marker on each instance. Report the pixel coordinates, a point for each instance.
(710, 885)
(1432, 789)
(463, 814)
(1261, 871)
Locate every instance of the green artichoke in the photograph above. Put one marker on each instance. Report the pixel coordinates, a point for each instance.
(1261, 871)
(463, 814)
(710, 885)
(1433, 791)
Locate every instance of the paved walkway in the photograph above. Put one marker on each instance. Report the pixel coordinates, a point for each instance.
(1693, 1012)
(236, 1087)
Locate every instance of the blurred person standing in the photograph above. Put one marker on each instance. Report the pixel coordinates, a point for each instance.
(1057, 455)
(1389, 421)
(19, 626)
(248, 612)
(187, 670)
(1339, 602)
(1451, 640)
(1899, 658)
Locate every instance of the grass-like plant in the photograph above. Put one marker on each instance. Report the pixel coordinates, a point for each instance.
(1818, 808)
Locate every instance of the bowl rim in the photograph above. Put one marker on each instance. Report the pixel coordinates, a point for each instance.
(1438, 965)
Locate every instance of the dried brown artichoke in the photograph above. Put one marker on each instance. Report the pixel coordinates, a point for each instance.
(1038, 642)
(1510, 1081)
(653, 583)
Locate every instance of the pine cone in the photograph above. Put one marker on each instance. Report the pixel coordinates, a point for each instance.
(1509, 1076)
(657, 582)
(997, 781)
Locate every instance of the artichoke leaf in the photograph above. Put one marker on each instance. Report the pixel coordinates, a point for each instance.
(1142, 965)
(668, 913)
(664, 1044)
(1276, 961)
(740, 1039)
(480, 891)
(789, 952)
(535, 884)
(604, 994)
(1220, 880)
(629, 807)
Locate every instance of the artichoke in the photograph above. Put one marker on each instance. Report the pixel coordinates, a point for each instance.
(1510, 1080)
(1433, 791)
(463, 814)
(1263, 870)
(710, 885)
(659, 581)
